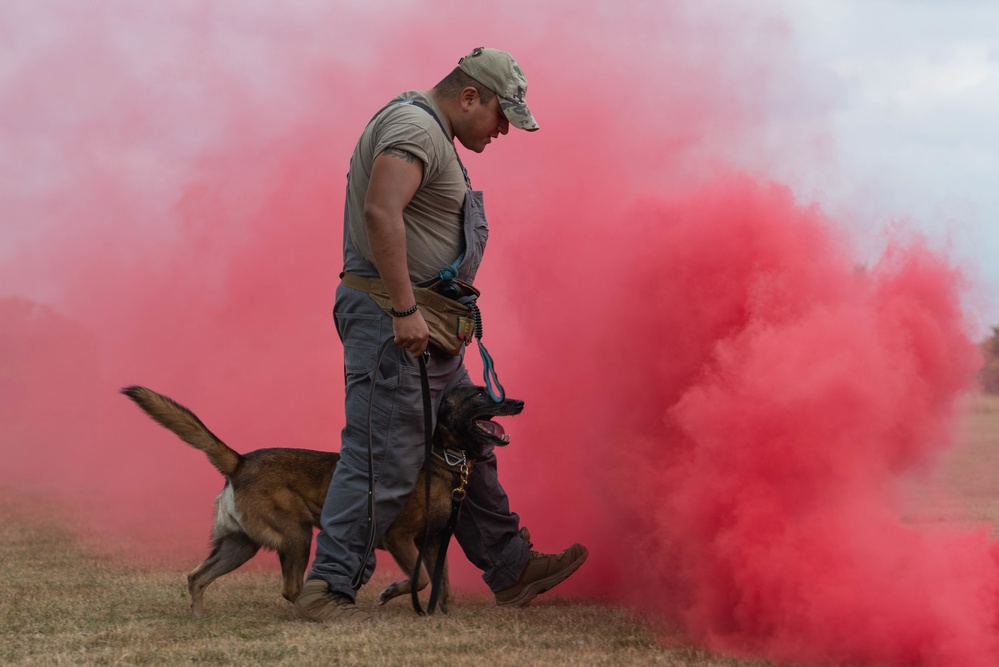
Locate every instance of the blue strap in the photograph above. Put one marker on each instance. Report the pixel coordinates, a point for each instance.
(488, 367)
(450, 272)
(489, 374)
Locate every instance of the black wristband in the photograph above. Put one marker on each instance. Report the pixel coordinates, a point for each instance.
(403, 313)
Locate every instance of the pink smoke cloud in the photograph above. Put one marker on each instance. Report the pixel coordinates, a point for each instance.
(719, 398)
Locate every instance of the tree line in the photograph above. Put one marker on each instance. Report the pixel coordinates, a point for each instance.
(989, 374)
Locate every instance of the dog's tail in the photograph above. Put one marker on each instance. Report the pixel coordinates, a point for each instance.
(187, 426)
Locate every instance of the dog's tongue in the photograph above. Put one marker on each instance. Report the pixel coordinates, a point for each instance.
(491, 427)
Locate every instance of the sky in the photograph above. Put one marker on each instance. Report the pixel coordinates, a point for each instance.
(903, 96)
(738, 278)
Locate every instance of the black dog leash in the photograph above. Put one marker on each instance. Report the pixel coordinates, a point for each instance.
(355, 582)
(428, 429)
(456, 496)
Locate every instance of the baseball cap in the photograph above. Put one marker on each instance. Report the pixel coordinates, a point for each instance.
(498, 71)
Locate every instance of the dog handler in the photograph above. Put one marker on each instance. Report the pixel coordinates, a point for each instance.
(410, 211)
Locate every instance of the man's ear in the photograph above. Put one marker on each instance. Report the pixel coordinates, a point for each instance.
(468, 97)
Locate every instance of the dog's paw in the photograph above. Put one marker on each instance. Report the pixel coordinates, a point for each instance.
(393, 591)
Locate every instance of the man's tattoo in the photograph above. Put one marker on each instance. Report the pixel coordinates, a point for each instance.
(399, 153)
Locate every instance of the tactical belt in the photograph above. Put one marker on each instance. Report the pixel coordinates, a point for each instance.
(452, 324)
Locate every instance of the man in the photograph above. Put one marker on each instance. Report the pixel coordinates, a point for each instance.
(410, 212)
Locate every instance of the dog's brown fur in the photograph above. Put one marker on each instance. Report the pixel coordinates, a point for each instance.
(273, 498)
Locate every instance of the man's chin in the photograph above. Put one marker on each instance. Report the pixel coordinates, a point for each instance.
(475, 148)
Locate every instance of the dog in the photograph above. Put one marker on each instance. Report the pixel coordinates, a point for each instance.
(273, 497)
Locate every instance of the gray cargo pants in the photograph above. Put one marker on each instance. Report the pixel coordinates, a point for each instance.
(487, 530)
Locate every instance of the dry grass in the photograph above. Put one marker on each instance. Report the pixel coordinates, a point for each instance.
(61, 604)
(967, 478)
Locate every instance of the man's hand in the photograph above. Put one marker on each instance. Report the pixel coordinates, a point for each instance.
(411, 332)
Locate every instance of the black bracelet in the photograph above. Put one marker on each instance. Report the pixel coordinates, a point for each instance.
(403, 313)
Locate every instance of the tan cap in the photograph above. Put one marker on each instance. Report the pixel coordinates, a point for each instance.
(500, 73)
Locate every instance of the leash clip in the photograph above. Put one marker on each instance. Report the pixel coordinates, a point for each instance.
(458, 494)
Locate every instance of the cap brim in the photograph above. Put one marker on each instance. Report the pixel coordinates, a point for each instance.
(518, 114)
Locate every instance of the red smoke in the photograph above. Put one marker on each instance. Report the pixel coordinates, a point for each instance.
(745, 399)
(720, 397)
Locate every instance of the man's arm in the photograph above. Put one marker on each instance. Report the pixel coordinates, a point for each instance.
(395, 177)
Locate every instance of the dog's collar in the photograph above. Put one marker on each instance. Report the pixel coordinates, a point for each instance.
(452, 459)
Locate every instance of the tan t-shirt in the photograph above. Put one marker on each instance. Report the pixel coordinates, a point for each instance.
(433, 218)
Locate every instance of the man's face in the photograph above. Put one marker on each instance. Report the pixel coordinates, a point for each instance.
(484, 122)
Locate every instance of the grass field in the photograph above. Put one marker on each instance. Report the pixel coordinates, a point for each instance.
(63, 604)
(66, 606)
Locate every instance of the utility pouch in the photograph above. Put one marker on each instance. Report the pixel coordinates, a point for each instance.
(451, 322)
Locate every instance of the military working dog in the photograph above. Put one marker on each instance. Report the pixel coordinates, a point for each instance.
(273, 497)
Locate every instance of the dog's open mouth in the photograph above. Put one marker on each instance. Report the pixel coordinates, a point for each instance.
(492, 431)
